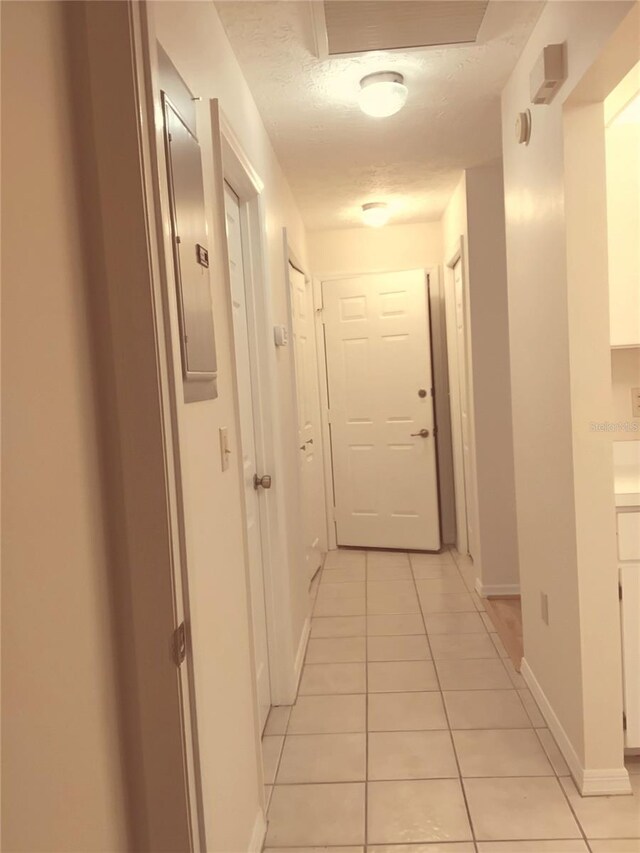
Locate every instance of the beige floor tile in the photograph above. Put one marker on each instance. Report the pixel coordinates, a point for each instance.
(337, 650)
(435, 571)
(501, 752)
(340, 607)
(393, 626)
(387, 558)
(553, 753)
(462, 646)
(351, 589)
(344, 559)
(316, 815)
(454, 623)
(438, 602)
(323, 758)
(389, 573)
(398, 648)
(314, 850)
(424, 810)
(352, 574)
(472, 675)
(607, 817)
(566, 846)
(271, 749)
(330, 678)
(393, 603)
(486, 709)
(456, 847)
(615, 845)
(267, 795)
(440, 586)
(401, 676)
(513, 808)
(380, 589)
(488, 624)
(478, 602)
(339, 626)
(406, 712)
(442, 559)
(328, 714)
(277, 720)
(411, 755)
(530, 706)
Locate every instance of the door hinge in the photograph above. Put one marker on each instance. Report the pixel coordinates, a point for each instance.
(179, 644)
(619, 590)
(624, 720)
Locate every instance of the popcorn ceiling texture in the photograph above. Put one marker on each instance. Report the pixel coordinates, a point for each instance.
(335, 157)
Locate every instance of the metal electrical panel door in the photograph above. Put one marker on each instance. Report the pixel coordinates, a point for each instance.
(190, 255)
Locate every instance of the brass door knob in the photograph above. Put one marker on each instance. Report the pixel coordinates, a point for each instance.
(424, 433)
(263, 482)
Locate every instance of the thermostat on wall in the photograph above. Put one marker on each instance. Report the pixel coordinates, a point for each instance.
(548, 74)
(280, 336)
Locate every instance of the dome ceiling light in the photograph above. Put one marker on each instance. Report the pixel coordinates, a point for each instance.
(375, 214)
(382, 94)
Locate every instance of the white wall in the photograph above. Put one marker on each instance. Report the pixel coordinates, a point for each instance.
(475, 212)
(193, 37)
(62, 758)
(623, 215)
(551, 389)
(389, 249)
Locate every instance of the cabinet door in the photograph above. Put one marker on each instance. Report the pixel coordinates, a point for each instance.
(630, 607)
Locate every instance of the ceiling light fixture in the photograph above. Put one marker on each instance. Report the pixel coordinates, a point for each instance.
(382, 94)
(375, 214)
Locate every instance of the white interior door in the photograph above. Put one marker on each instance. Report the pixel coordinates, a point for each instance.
(249, 461)
(454, 356)
(380, 400)
(309, 426)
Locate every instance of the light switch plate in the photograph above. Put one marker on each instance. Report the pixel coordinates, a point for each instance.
(635, 402)
(225, 450)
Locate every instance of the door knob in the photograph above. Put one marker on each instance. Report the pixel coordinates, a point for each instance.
(262, 482)
(424, 433)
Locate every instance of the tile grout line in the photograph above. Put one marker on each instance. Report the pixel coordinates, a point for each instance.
(446, 713)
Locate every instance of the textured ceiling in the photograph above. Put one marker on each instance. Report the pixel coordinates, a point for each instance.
(335, 157)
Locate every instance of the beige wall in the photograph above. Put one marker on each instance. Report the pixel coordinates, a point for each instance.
(62, 766)
(623, 214)
(193, 37)
(475, 212)
(625, 375)
(553, 397)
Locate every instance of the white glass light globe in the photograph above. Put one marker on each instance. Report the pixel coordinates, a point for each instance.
(375, 213)
(382, 94)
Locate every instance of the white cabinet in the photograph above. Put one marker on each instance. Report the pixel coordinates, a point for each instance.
(630, 618)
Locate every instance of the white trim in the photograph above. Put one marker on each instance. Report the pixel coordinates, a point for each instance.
(319, 27)
(302, 649)
(259, 833)
(248, 185)
(486, 590)
(590, 782)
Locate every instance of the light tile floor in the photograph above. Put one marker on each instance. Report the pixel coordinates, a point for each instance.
(413, 733)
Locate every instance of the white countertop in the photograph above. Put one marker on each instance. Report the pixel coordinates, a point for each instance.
(626, 472)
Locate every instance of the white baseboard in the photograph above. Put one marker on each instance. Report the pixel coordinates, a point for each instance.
(590, 783)
(259, 833)
(302, 649)
(485, 590)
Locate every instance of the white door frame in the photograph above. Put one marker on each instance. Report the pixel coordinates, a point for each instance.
(247, 184)
(431, 274)
(462, 501)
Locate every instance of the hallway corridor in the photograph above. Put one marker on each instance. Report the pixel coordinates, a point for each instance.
(413, 728)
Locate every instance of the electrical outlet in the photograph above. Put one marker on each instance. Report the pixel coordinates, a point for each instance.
(544, 607)
(635, 402)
